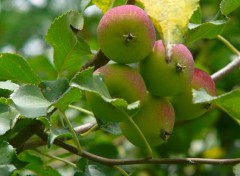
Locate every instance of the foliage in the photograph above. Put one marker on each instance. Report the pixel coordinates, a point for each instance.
(46, 126)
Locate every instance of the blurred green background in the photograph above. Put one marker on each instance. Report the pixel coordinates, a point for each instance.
(23, 25)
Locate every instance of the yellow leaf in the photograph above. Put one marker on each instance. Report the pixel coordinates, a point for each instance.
(170, 17)
(104, 5)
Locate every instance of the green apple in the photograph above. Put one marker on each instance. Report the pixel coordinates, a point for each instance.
(123, 82)
(155, 119)
(126, 34)
(167, 78)
(182, 103)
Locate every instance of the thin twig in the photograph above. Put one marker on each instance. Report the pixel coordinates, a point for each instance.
(226, 70)
(232, 65)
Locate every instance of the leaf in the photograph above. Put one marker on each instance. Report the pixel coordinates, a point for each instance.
(5, 122)
(69, 48)
(236, 170)
(30, 102)
(7, 170)
(57, 133)
(14, 67)
(8, 85)
(52, 90)
(82, 164)
(91, 170)
(228, 6)
(207, 30)
(170, 17)
(87, 81)
(7, 153)
(73, 94)
(36, 164)
(84, 4)
(104, 5)
(201, 96)
(228, 102)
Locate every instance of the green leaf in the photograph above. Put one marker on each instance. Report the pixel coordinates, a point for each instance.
(236, 170)
(207, 30)
(82, 164)
(228, 102)
(36, 164)
(70, 49)
(7, 153)
(14, 67)
(5, 122)
(228, 6)
(196, 17)
(57, 133)
(87, 81)
(71, 95)
(91, 170)
(30, 102)
(52, 90)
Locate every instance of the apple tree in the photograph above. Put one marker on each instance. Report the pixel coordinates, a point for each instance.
(124, 87)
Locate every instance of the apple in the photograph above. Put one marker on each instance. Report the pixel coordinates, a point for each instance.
(184, 107)
(126, 34)
(123, 82)
(164, 78)
(155, 119)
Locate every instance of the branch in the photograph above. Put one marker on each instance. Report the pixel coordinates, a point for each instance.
(227, 69)
(232, 65)
(113, 162)
(98, 60)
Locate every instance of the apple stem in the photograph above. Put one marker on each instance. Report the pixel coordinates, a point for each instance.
(149, 150)
(74, 135)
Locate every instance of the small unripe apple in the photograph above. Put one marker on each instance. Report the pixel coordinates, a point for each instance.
(123, 82)
(183, 104)
(126, 34)
(155, 119)
(164, 78)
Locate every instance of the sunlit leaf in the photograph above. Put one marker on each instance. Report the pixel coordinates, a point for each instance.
(30, 102)
(8, 85)
(170, 17)
(236, 170)
(228, 6)
(7, 153)
(70, 49)
(14, 67)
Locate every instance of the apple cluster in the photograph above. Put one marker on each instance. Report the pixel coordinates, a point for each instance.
(163, 86)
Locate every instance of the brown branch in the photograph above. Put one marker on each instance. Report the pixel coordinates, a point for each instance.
(98, 61)
(111, 162)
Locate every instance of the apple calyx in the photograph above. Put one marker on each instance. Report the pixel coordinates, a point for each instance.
(164, 134)
(129, 37)
(180, 67)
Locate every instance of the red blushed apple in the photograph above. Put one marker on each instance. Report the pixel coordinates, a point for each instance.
(126, 34)
(123, 82)
(167, 78)
(155, 119)
(183, 103)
